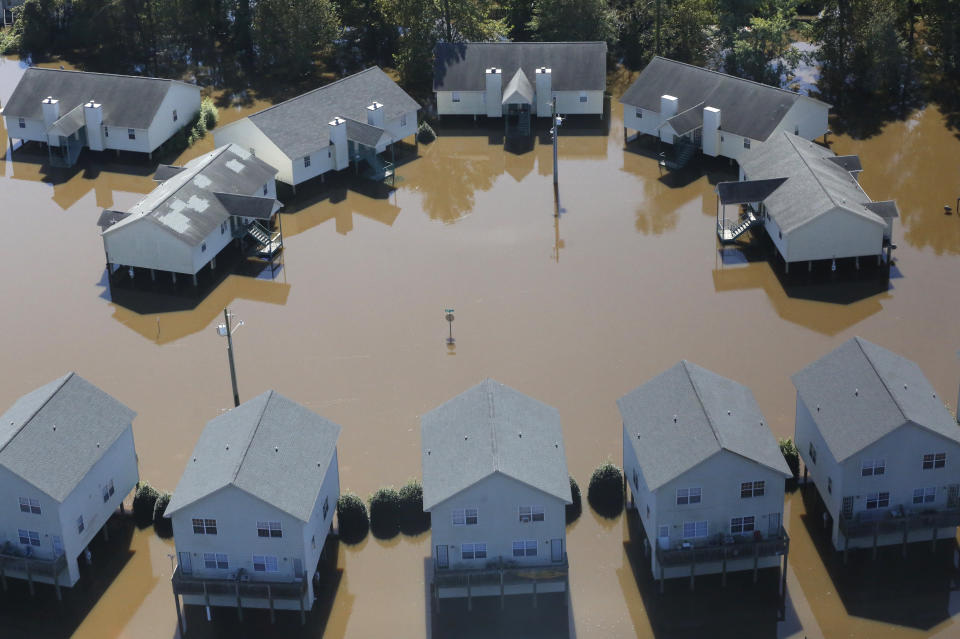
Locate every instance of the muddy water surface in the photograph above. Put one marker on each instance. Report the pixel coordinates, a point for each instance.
(575, 312)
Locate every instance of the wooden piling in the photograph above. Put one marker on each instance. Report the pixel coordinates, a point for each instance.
(876, 532)
(906, 533)
(933, 541)
(270, 599)
(236, 588)
(469, 595)
(181, 621)
(756, 560)
(723, 572)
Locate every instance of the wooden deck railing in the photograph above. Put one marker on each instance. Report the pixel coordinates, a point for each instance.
(194, 585)
(893, 522)
(716, 550)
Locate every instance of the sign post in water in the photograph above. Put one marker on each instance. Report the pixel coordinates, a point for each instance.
(449, 318)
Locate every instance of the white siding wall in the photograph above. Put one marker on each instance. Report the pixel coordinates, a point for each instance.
(646, 123)
(47, 523)
(644, 500)
(568, 102)
(838, 233)
(145, 245)
(215, 242)
(471, 103)
(33, 130)
(498, 499)
(244, 134)
(805, 433)
(321, 161)
(315, 532)
(186, 100)
(773, 232)
(731, 145)
(400, 131)
(806, 118)
(118, 138)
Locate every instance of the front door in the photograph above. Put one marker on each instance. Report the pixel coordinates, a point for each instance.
(442, 560)
(57, 546)
(773, 524)
(953, 495)
(846, 510)
(186, 567)
(556, 550)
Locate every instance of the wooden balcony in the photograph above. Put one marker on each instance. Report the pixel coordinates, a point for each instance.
(31, 568)
(723, 548)
(499, 578)
(238, 587)
(899, 520)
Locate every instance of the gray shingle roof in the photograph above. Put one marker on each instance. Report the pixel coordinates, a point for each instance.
(747, 108)
(815, 184)
(712, 413)
(848, 162)
(53, 436)
(748, 191)
(864, 392)
(491, 428)
(686, 121)
(270, 447)
(299, 126)
(68, 124)
(128, 101)
(190, 204)
(518, 90)
(886, 209)
(575, 66)
(365, 134)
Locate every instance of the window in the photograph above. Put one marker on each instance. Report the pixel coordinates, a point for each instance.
(80, 524)
(473, 551)
(636, 480)
(203, 247)
(269, 529)
(106, 132)
(265, 563)
(870, 467)
(746, 143)
(877, 500)
(688, 496)
(830, 485)
(28, 537)
(174, 115)
(692, 529)
(205, 526)
(742, 525)
(812, 450)
(648, 511)
(752, 489)
(531, 513)
(326, 507)
(924, 495)
(216, 561)
(223, 227)
(30, 505)
(454, 96)
(465, 516)
(583, 96)
(329, 153)
(264, 189)
(639, 114)
(663, 531)
(403, 119)
(22, 123)
(525, 548)
(306, 161)
(796, 130)
(934, 460)
(131, 134)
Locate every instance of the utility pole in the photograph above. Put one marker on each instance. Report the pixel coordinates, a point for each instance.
(557, 121)
(226, 330)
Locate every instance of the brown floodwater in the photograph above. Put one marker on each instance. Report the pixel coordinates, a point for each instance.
(574, 311)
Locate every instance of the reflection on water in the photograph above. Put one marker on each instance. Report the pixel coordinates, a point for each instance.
(352, 326)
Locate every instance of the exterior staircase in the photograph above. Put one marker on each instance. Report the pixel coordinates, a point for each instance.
(736, 228)
(268, 244)
(378, 169)
(683, 152)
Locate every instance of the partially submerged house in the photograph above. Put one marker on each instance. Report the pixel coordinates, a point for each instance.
(705, 475)
(496, 486)
(67, 460)
(347, 122)
(518, 80)
(253, 507)
(73, 110)
(881, 448)
(718, 114)
(197, 210)
(809, 202)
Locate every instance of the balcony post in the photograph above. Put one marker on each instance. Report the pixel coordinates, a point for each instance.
(3, 575)
(270, 599)
(906, 533)
(933, 542)
(661, 577)
(206, 597)
(26, 563)
(56, 579)
(181, 621)
(876, 532)
(846, 545)
(723, 573)
(501, 589)
(756, 559)
(534, 592)
(236, 587)
(693, 567)
(469, 597)
(303, 614)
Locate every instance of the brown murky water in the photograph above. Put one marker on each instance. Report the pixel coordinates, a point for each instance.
(575, 312)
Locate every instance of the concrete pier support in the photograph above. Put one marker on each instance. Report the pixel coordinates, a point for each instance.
(213, 263)
(153, 275)
(174, 276)
(195, 279)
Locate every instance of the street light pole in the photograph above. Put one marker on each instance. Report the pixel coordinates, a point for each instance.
(226, 330)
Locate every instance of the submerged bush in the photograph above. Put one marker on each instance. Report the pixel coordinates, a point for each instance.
(425, 133)
(605, 492)
(385, 513)
(193, 131)
(792, 456)
(209, 114)
(162, 525)
(352, 520)
(576, 507)
(144, 501)
(413, 520)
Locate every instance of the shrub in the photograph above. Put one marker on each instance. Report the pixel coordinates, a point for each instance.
(413, 520)
(574, 509)
(144, 501)
(162, 525)
(790, 453)
(352, 518)
(385, 513)
(605, 492)
(425, 133)
(209, 114)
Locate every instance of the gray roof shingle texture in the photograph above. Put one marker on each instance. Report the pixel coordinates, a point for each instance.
(128, 101)
(269, 447)
(53, 436)
(865, 392)
(492, 428)
(700, 401)
(190, 204)
(815, 184)
(575, 66)
(748, 191)
(686, 121)
(365, 134)
(749, 109)
(299, 126)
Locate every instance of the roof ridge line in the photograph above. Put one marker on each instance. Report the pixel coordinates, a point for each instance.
(491, 412)
(810, 169)
(39, 408)
(253, 434)
(696, 391)
(883, 382)
(112, 75)
(311, 91)
(735, 77)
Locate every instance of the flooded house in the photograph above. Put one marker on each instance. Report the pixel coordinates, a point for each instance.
(349, 122)
(227, 195)
(253, 507)
(67, 460)
(496, 486)
(69, 111)
(809, 202)
(705, 475)
(519, 80)
(696, 109)
(880, 447)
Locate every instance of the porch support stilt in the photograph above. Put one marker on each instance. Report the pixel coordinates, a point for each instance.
(106, 531)
(270, 600)
(933, 540)
(303, 614)
(756, 560)
(501, 590)
(906, 533)
(661, 580)
(469, 595)
(534, 593)
(181, 621)
(846, 547)
(876, 533)
(723, 570)
(29, 576)
(56, 582)
(153, 278)
(236, 588)
(693, 569)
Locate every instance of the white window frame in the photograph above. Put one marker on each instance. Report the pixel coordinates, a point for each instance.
(22, 123)
(583, 96)
(306, 161)
(131, 134)
(692, 495)
(878, 500)
(454, 96)
(932, 461)
(32, 537)
(403, 119)
(750, 489)
(476, 550)
(743, 525)
(746, 143)
(531, 514)
(174, 115)
(663, 531)
(30, 505)
(269, 529)
(639, 113)
(80, 524)
(204, 527)
(873, 467)
(926, 495)
(700, 529)
(326, 507)
(525, 548)
(216, 558)
(812, 451)
(636, 480)
(462, 516)
(267, 563)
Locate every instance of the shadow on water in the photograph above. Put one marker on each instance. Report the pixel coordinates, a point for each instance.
(912, 591)
(224, 621)
(551, 618)
(42, 615)
(744, 608)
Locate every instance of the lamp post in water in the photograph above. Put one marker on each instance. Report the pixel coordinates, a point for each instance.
(227, 330)
(555, 131)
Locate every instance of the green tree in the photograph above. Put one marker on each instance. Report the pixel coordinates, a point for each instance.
(686, 31)
(942, 21)
(763, 51)
(573, 20)
(289, 32)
